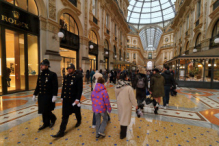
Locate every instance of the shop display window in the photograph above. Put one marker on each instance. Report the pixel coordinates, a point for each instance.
(33, 66)
(216, 71)
(195, 71)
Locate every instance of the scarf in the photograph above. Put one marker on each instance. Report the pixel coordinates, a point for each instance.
(122, 83)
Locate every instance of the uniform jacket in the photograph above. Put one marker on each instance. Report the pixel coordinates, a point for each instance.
(157, 85)
(125, 100)
(47, 87)
(100, 99)
(71, 90)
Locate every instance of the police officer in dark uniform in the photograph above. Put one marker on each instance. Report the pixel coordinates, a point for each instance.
(71, 94)
(46, 90)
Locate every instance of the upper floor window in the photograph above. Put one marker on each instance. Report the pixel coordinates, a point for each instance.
(74, 2)
(216, 30)
(115, 30)
(198, 40)
(187, 23)
(27, 5)
(134, 56)
(127, 40)
(93, 37)
(94, 7)
(121, 36)
(198, 9)
(107, 20)
(68, 23)
(150, 56)
(127, 55)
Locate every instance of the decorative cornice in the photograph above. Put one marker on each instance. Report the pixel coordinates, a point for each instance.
(76, 9)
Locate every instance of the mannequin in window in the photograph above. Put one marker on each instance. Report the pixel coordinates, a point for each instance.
(8, 77)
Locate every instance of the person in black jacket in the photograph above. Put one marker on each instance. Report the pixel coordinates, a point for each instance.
(169, 83)
(46, 90)
(140, 84)
(71, 95)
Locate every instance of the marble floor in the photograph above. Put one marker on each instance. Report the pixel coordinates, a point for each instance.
(192, 118)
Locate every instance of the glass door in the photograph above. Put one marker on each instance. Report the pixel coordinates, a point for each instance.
(15, 61)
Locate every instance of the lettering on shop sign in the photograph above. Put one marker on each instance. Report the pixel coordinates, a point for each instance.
(14, 20)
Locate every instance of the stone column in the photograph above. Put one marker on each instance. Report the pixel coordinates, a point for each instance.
(100, 57)
(111, 60)
(84, 61)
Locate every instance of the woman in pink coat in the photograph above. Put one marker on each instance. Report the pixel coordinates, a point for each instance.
(100, 106)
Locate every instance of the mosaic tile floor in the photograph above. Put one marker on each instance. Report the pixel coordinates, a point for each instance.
(191, 119)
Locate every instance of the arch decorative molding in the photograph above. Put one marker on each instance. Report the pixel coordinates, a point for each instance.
(97, 33)
(41, 8)
(74, 16)
(73, 7)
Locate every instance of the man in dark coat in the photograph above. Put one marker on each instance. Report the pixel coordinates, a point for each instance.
(169, 83)
(71, 95)
(46, 90)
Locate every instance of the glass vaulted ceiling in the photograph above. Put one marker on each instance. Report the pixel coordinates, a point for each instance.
(142, 12)
(150, 38)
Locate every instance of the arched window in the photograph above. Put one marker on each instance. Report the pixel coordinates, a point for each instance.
(68, 23)
(114, 52)
(198, 40)
(106, 46)
(215, 32)
(120, 54)
(27, 5)
(187, 46)
(93, 37)
(149, 65)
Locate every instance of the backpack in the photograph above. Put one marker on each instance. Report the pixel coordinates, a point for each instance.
(140, 83)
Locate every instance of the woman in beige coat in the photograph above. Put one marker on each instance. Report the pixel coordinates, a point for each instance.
(125, 100)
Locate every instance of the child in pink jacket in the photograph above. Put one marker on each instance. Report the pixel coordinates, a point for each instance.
(100, 106)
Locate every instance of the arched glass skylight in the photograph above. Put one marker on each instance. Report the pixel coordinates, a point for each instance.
(150, 38)
(150, 11)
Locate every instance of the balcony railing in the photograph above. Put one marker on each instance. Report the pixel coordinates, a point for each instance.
(74, 2)
(197, 23)
(95, 20)
(216, 4)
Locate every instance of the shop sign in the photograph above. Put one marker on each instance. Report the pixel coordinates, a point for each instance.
(13, 16)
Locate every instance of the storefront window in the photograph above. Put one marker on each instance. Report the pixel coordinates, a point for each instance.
(0, 64)
(92, 62)
(15, 62)
(33, 67)
(68, 56)
(216, 71)
(195, 71)
(208, 70)
(182, 70)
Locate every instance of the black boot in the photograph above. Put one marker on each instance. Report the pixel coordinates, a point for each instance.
(43, 127)
(52, 123)
(77, 124)
(156, 109)
(123, 132)
(59, 134)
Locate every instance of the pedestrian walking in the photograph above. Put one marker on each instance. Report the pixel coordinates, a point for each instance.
(71, 95)
(100, 106)
(46, 90)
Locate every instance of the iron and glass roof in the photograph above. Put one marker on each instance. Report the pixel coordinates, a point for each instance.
(150, 38)
(150, 11)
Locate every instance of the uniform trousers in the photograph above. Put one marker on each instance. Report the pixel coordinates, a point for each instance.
(66, 117)
(47, 117)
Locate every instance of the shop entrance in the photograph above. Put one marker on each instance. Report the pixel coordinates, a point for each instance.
(15, 60)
